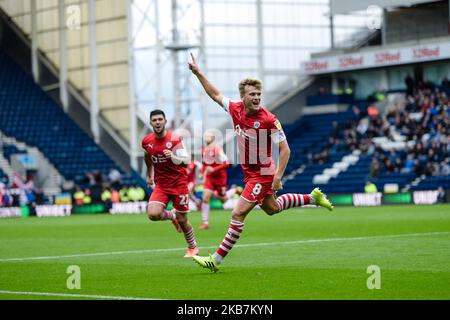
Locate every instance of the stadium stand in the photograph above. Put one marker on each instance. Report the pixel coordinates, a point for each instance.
(29, 115)
(3, 177)
(9, 150)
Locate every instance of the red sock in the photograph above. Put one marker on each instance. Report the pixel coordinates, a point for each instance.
(290, 200)
(190, 238)
(233, 234)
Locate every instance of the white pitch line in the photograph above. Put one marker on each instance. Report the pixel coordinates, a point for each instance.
(259, 244)
(92, 296)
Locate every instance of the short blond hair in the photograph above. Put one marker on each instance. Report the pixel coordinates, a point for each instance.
(249, 82)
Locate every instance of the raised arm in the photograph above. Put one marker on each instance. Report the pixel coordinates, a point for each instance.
(210, 89)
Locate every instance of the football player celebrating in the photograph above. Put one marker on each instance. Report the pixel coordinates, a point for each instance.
(255, 128)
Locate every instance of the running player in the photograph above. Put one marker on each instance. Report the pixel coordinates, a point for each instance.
(166, 159)
(255, 128)
(214, 173)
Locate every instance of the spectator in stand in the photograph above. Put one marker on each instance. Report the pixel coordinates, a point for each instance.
(321, 157)
(23, 198)
(426, 105)
(444, 169)
(87, 199)
(335, 131)
(3, 191)
(398, 165)
(431, 169)
(140, 193)
(374, 171)
(115, 178)
(409, 82)
(393, 155)
(363, 126)
(432, 156)
(389, 166)
(78, 196)
(310, 158)
(106, 197)
(40, 196)
(8, 198)
(357, 114)
(370, 187)
(136, 193)
(445, 83)
(123, 192)
(115, 196)
(379, 95)
(322, 91)
(418, 169)
(132, 194)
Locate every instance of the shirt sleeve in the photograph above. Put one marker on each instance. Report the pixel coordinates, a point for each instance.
(226, 104)
(277, 133)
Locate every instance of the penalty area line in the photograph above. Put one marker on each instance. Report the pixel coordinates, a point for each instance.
(73, 295)
(259, 244)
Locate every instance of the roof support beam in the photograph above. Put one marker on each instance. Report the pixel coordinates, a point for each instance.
(63, 75)
(94, 106)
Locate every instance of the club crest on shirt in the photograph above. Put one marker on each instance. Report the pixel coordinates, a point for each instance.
(256, 124)
(169, 144)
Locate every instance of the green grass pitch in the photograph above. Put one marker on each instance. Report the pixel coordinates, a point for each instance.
(299, 254)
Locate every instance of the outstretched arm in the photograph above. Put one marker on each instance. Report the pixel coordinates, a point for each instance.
(210, 89)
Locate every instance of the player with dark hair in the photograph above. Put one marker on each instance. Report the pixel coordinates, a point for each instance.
(166, 159)
(256, 128)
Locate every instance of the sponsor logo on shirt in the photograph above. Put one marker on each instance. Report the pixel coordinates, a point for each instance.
(159, 158)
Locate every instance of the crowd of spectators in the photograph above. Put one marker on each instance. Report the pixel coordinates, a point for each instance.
(421, 117)
(97, 188)
(93, 188)
(20, 192)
